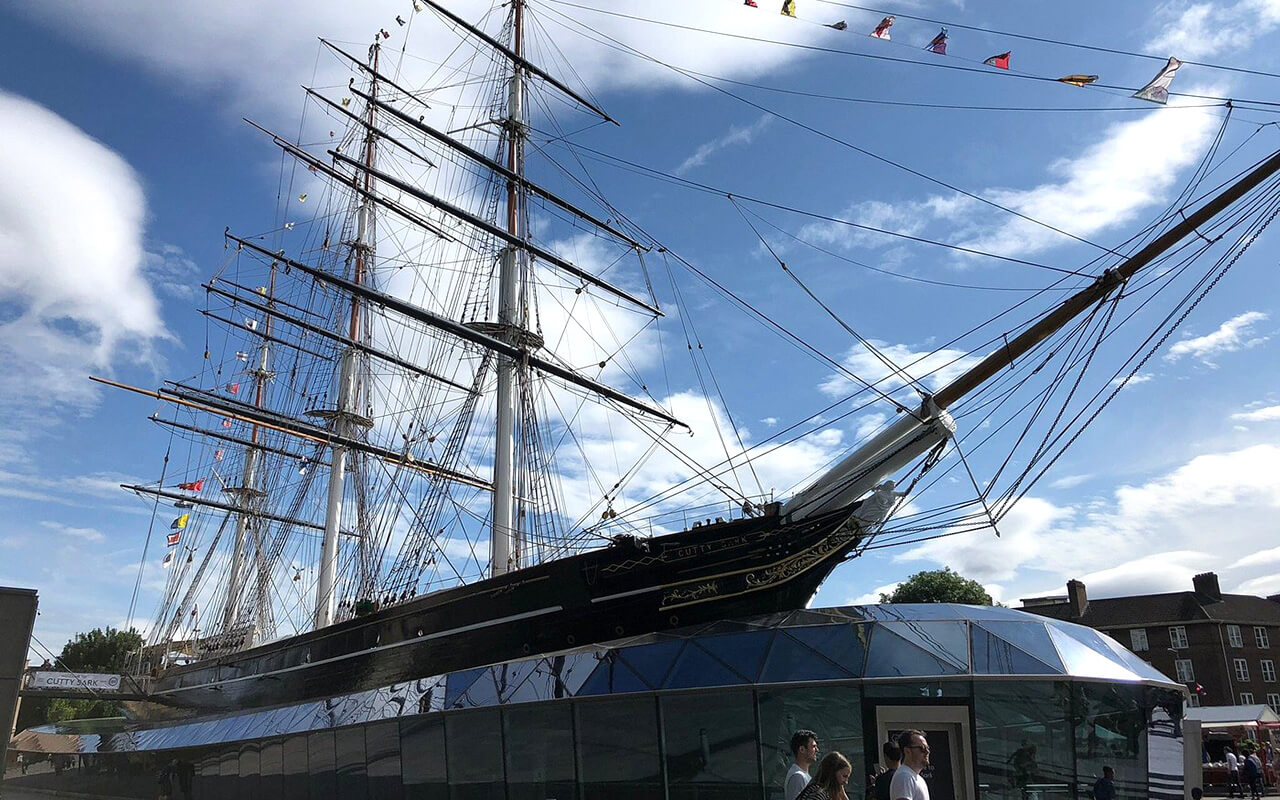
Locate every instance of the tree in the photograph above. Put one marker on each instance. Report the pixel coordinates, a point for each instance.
(938, 586)
(101, 650)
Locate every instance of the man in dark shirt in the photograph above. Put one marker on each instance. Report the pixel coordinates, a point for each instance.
(892, 760)
(1105, 788)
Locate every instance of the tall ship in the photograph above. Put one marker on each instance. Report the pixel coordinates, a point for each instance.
(430, 437)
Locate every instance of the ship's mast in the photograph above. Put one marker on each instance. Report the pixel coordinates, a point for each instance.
(504, 556)
(346, 418)
(247, 495)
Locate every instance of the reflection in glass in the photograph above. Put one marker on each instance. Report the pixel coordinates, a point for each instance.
(618, 749)
(835, 712)
(382, 750)
(247, 788)
(271, 781)
(422, 758)
(1110, 731)
(539, 749)
(294, 756)
(710, 746)
(229, 782)
(349, 763)
(321, 762)
(474, 752)
(1025, 740)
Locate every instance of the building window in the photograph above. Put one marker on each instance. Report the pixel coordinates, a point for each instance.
(1182, 666)
(1246, 698)
(1138, 638)
(1273, 700)
(1194, 701)
(1268, 670)
(1260, 635)
(1178, 637)
(1242, 669)
(1233, 636)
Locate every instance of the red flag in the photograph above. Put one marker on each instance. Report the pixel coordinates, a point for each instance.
(226, 423)
(233, 388)
(939, 43)
(999, 62)
(751, 3)
(193, 486)
(882, 30)
(174, 538)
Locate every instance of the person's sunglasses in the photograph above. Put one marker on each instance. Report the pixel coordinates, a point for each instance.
(923, 747)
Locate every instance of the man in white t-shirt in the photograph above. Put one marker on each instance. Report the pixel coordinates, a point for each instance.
(1233, 774)
(907, 783)
(804, 749)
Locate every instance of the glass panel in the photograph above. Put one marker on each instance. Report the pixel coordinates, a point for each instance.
(382, 746)
(295, 768)
(833, 712)
(422, 758)
(1110, 728)
(458, 682)
(948, 642)
(652, 661)
(916, 689)
(791, 660)
(321, 761)
(890, 655)
(613, 676)
(744, 652)
(568, 672)
(1025, 742)
(539, 752)
(208, 782)
(474, 750)
(994, 656)
(1031, 638)
(271, 781)
(710, 743)
(697, 667)
(229, 782)
(249, 765)
(349, 763)
(1082, 660)
(615, 766)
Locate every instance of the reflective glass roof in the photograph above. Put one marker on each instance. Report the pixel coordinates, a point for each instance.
(885, 642)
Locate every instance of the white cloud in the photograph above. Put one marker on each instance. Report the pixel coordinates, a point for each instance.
(737, 135)
(1259, 558)
(1267, 414)
(87, 534)
(71, 265)
(932, 368)
(1198, 30)
(1234, 334)
(1148, 537)
(1070, 481)
(872, 597)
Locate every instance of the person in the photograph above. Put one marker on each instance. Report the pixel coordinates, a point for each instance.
(1105, 787)
(1251, 768)
(1233, 773)
(804, 751)
(1023, 762)
(892, 760)
(907, 783)
(830, 782)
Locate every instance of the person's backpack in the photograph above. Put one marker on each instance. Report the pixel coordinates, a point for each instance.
(1251, 768)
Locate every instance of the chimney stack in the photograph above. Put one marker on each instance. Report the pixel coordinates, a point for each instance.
(1206, 586)
(1077, 598)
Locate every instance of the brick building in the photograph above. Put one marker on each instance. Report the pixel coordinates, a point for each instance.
(1228, 644)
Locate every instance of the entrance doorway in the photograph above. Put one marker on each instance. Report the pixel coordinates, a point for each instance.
(950, 773)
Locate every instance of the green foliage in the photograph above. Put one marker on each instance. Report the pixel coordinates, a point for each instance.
(101, 650)
(61, 709)
(938, 586)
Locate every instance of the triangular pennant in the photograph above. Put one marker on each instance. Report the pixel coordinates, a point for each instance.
(939, 43)
(1157, 91)
(882, 30)
(999, 62)
(1078, 80)
(789, 8)
(840, 26)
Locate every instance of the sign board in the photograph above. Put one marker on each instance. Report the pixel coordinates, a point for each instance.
(74, 680)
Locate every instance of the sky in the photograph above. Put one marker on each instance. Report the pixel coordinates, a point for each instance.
(125, 156)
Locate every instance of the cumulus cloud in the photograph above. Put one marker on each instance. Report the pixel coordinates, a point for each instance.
(1235, 334)
(71, 264)
(1146, 537)
(738, 134)
(87, 534)
(1267, 414)
(933, 368)
(1195, 30)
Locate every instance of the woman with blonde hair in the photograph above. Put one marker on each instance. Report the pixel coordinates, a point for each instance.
(833, 774)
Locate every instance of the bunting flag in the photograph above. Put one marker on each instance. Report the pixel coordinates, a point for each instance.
(346, 101)
(226, 423)
(751, 3)
(400, 20)
(184, 504)
(218, 454)
(1078, 80)
(251, 324)
(840, 26)
(302, 198)
(1157, 91)
(242, 356)
(882, 30)
(939, 43)
(168, 559)
(233, 388)
(193, 486)
(417, 6)
(181, 522)
(174, 538)
(999, 62)
(386, 34)
(789, 8)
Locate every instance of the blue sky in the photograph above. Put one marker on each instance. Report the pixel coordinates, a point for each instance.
(125, 158)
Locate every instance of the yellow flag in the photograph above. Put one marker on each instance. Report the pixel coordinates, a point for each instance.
(789, 7)
(181, 522)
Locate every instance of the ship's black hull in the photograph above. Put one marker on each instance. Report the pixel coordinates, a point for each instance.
(743, 567)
